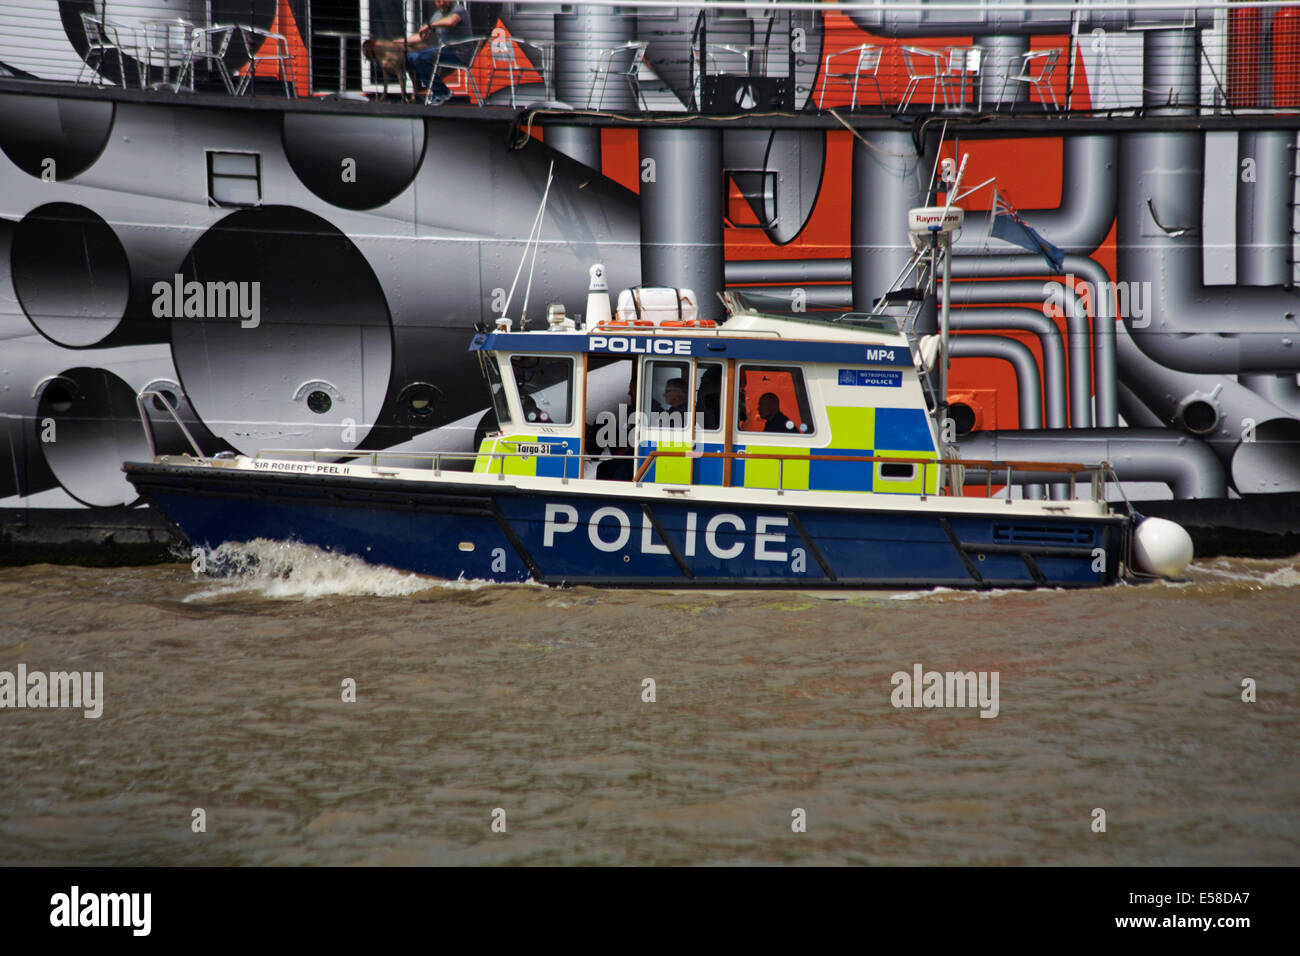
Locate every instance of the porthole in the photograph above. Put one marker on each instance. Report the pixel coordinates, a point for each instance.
(58, 397)
(165, 399)
(419, 400)
(962, 417)
(319, 401)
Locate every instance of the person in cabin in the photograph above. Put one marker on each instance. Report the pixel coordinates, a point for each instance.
(769, 409)
(420, 50)
(676, 400)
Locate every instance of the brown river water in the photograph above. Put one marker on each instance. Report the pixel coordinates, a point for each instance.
(772, 737)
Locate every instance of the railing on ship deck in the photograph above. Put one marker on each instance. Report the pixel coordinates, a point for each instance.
(1094, 55)
(1100, 475)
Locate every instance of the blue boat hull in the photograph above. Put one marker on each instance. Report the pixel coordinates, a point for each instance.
(455, 530)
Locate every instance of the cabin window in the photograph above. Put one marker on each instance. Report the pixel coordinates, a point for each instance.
(708, 396)
(897, 471)
(773, 399)
(499, 403)
(611, 390)
(545, 384)
(667, 395)
(234, 179)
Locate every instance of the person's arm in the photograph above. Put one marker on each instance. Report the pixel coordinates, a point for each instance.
(450, 20)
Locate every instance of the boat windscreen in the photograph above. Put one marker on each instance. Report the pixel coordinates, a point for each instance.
(493, 373)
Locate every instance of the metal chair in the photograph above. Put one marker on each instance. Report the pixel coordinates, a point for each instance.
(262, 46)
(209, 46)
(867, 64)
(722, 59)
(623, 60)
(103, 36)
(167, 45)
(932, 61)
(717, 59)
(505, 57)
(965, 62)
(1036, 67)
(471, 46)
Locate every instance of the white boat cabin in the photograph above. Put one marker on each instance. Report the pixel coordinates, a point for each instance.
(653, 393)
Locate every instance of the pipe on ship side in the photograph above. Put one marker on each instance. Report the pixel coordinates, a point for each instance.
(1087, 210)
(1187, 465)
(1264, 209)
(1100, 290)
(1076, 317)
(1028, 387)
(587, 30)
(1135, 412)
(681, 212)
(1258, 442)
(1282, 390)
(889, 179)
(1049, 337)
(1159, 241)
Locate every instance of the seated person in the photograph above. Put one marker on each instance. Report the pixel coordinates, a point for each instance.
(769, 409)
(421, 49)
(675, 397)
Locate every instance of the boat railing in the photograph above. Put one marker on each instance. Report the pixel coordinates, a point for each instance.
(160, 400)
(378, 459)
(334, 455)
(1100, 475)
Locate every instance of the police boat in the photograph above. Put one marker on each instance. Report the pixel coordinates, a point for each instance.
(651, 446)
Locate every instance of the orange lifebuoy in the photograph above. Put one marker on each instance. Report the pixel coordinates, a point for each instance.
(688, 324)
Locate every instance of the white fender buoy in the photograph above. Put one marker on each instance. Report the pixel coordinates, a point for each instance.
(1162, 547)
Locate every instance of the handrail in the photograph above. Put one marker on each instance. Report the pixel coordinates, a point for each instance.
(433, 457)
(148, 425)
(717, 331)
(354, 453)
(983, 463)
(1072, 469)
(1102, 473)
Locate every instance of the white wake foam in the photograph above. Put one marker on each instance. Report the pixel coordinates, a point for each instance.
(287, 570)
(1287, 576)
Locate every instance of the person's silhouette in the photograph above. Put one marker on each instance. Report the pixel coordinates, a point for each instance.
(769, 409)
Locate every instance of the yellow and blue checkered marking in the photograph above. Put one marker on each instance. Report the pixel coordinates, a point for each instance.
(550, 464)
